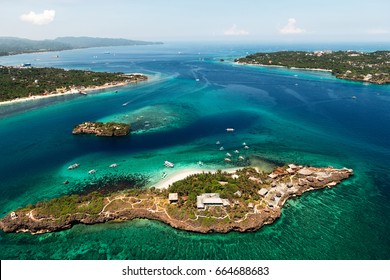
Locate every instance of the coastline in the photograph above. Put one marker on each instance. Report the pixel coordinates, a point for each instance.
(72, 91)
(282, 66)
(265, 196)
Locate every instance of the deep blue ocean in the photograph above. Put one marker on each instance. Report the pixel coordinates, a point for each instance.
(285, 116)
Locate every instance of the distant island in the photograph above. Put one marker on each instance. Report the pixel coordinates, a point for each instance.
(108, 129)
(13, 45)
(244, 200)
(25, 83)
(371, 67)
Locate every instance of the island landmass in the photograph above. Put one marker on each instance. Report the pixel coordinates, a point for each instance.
(14, 45)
(242, 201)
(20, 84)
(371, 67)
(108, 129)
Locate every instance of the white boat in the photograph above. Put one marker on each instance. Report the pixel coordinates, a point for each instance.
(92, 171)
(236, 151)
(244, 144)
(113, 165)
(229, 129)
(200, 163)
(168, 164)
(241, 158)
(217, 143)
(73, 166)
(228, 154)
(228, 160)
(246, 147)
(222, 148)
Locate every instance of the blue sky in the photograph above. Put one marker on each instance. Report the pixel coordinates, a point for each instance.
(209, 20)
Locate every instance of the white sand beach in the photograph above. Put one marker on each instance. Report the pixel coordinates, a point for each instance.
(181, 174)
(72, 91)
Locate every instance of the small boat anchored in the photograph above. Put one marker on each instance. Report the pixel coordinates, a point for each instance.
(169, 164)
(73, 166)
(229, 129)
(92, 171)
(113, 165)
(200, 163)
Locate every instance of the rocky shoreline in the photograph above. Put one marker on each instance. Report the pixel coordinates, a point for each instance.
(274, 189)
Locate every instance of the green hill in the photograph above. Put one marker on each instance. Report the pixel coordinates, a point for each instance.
(13, 45)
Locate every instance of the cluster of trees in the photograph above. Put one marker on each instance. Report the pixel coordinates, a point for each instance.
(219, 182)
(23, 82)
(343, 64)
(90, 204)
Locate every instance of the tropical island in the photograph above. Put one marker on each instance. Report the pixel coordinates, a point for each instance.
(102, 129)
(25, 83)
(371, 67)
(14, 45)
(244, 200)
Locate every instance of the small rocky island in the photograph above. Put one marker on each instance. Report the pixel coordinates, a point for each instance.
(102, 129)
(371, 67)
(208, 202)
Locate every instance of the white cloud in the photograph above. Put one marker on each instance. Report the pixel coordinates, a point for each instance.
(291, 28)
(39, 19)
(378, 31)
(234, 31)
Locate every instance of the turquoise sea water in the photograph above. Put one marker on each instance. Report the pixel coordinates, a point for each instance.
(284, 116)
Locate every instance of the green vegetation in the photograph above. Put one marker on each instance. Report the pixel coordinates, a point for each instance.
(24, 82)
(371, 67)
(12, 45)
(90, 204)
(218, 182)
(89, 198)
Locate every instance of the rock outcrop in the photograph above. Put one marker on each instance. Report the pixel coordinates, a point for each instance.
(102, 129)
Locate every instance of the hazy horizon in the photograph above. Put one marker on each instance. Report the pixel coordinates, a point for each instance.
(174, 20)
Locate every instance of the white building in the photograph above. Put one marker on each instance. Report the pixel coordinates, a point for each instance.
(210, 199)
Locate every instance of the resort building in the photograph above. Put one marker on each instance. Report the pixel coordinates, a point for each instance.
(262, 192)
(173, 197)
(210, 199)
